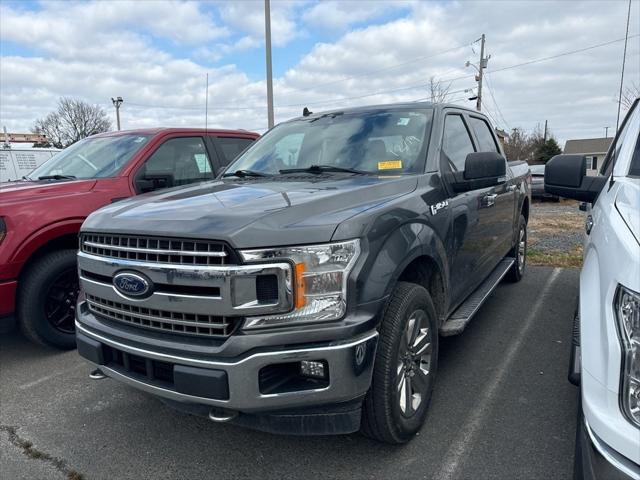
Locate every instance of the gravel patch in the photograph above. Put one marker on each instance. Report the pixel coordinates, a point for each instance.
(556, 232)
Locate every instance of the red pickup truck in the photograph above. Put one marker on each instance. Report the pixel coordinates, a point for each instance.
(41, 215)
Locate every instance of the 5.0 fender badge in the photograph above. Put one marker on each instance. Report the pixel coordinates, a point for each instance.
(439, 206)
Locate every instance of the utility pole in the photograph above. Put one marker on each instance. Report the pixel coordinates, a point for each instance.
(481, 66)
(267, 35)
(545, 131)
(606, 132)
(116, 103)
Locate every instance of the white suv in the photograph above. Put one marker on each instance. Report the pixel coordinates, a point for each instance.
(605, 359)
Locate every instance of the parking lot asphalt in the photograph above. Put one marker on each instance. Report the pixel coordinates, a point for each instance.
(502, 409)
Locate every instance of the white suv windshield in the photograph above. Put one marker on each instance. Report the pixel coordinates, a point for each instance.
(93, 157)
(388, 141)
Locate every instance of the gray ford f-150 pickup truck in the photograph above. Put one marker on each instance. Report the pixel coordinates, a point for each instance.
(305, 289)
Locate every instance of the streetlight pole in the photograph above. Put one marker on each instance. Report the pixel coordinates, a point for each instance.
(116, 103)
(267, 34)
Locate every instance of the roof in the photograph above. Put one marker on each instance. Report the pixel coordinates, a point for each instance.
(389, 106)
(156, 130)
(588, 145)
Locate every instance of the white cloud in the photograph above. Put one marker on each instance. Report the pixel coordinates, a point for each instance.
(340, 14)
(99, 50)
(248, 17)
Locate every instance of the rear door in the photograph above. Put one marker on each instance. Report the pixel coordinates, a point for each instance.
(499, 205)
(471, 235)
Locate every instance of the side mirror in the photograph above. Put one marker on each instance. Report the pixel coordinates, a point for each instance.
(151, 182)
(483, 165)
(481, 170)
(566, 176)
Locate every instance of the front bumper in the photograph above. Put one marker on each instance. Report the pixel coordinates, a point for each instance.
(595, 460)
(236, 384)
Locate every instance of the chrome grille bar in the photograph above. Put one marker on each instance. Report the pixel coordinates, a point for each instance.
(155, 249)
(161, 320)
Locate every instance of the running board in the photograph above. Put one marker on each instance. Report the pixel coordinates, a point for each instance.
(459, 319)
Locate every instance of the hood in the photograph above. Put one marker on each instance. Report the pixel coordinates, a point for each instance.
(12, 192)
(628, 204)
(253, 212)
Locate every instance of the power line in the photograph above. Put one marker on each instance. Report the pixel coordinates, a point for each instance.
(380, 92)
(563, 54)
(624, 58)
(392, 67)
(496, 103)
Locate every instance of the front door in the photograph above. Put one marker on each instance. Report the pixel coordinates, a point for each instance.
(471, 233)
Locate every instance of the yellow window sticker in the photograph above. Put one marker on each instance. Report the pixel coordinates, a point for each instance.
(390, 165)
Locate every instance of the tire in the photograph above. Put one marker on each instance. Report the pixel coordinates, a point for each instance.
(47, 297)
(519, 252)
(399, 374)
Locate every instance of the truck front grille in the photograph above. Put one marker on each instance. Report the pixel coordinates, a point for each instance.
(155, 249)
(162, 320)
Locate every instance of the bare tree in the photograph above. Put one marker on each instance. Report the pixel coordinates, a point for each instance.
(438, 91)
(629, 95)
(73, 120)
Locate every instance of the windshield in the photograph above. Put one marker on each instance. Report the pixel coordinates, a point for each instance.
(93, 157)
(537, 169)
(392, 142)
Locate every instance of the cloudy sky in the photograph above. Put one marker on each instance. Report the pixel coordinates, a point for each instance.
(326, 54)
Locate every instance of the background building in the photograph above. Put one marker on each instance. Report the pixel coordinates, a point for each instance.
(594, 148)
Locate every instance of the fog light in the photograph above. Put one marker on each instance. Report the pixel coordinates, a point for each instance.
(313, 369)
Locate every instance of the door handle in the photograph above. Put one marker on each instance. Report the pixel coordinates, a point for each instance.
(489, 200)
(511, 188)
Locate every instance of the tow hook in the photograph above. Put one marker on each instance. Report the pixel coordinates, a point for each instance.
(97, 374)
(219, 415)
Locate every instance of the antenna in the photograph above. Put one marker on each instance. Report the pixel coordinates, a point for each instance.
(306, 112)
(206, 105)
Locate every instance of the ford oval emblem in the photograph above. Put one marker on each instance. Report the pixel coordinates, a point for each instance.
(132, 284)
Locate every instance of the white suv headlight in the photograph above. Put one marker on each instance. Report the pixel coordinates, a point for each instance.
(320, 274)
(627, 309)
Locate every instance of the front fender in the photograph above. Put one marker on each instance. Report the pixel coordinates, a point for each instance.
(388, 257)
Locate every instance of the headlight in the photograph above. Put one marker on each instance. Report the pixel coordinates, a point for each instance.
(320, 274)
(627, 308)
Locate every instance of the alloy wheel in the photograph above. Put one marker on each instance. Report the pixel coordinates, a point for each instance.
(60, 301)
(414, 364)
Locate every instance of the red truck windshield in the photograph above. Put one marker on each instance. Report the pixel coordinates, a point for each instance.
(93, 157)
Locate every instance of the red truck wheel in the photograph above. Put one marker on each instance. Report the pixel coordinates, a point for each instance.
(47, 299)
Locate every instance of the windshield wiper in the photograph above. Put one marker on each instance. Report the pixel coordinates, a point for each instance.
(246, 173)
(57, 177)
(322, 169)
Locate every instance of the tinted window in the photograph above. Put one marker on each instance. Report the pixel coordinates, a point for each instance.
(483, 134)
(232, 147)
(456, 142)
(185, 160)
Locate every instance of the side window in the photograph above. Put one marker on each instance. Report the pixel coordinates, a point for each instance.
(180, 161)
(232, 147)
(456, 142)
(483, 133)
